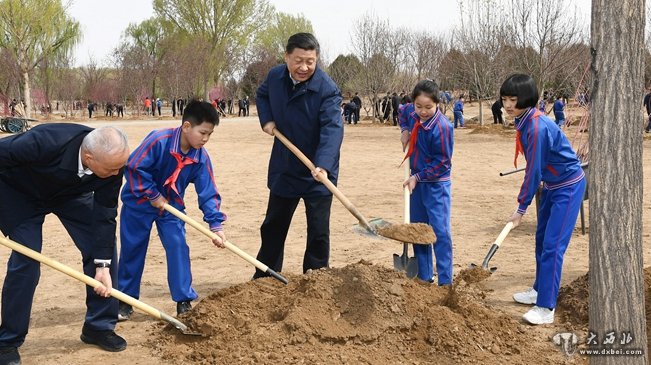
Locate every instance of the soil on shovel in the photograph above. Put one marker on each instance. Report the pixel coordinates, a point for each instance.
(357, 314)
(409, 233)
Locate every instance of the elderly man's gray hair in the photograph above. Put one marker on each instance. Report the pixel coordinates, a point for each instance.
(105, 141)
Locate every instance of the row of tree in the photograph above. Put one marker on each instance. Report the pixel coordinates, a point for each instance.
(220, 48)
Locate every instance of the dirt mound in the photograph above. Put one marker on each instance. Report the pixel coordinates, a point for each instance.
(495, 129)
(573, 302)
(358, 314)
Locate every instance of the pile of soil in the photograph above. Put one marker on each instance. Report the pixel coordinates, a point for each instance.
(358, 314)
(573, 303)
(494, 129)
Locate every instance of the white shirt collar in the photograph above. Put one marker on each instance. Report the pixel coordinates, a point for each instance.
(81, 171)
(293, 81)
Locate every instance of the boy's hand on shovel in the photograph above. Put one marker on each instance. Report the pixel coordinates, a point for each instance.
(159, 202)
(103, 275)
(222, 236)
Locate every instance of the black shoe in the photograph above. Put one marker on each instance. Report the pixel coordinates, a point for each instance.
(107, 339)
(9, 356)
(124, 313)
(182, 307)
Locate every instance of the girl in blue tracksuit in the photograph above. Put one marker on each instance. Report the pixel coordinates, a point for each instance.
(552, 161)
(458, 113)
(430, 151)
(559, 113)
(158, 172)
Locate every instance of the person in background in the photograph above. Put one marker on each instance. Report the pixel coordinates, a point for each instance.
(559, 111)
(457, 109)
(496, 109)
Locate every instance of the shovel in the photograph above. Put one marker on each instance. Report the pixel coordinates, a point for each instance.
(496, 245)
(404, 262)
(94, 284)
(415, 233)
(262, 267)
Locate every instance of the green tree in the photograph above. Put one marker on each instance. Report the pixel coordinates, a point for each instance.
(274, 37)
(343, 71)
(32, 30)
(148, 36)
(226, 26)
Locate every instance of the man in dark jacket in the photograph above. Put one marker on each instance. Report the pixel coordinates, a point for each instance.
(74, 172)
(358, 101)
(303, 103)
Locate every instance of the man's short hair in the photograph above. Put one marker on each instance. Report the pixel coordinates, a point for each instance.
(198, 112)
(524, 87)
(305, 41)
(105, 141)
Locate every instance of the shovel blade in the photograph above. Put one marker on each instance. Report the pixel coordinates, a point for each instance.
(374, 224)
(405, 263)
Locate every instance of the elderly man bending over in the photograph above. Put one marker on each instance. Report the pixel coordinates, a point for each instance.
(74, 172)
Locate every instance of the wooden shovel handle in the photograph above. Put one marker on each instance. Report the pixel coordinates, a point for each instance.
(90, 281)
(505, 231)
(324, 180)
(210, 234)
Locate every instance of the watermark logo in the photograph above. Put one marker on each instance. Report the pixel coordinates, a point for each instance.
(567, 341)
(610, 343)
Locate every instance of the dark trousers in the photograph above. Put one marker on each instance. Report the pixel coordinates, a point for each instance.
(276, 224)
(497, 117)
(23, 273)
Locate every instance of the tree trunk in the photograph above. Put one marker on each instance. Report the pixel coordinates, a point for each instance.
(27, 95)
(481, 113)
(615, 181)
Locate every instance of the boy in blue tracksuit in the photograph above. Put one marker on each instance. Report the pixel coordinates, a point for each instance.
(552, 161)
(458, 113)
(430, 151)
(559, 114)
(158, 172)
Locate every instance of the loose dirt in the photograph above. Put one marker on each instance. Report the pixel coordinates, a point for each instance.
(358, 314)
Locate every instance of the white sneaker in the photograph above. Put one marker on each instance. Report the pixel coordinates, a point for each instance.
(539, 315)
(528, 296)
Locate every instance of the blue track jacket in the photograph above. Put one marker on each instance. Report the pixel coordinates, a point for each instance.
(549, 155)
(152, 163)
(431, 158)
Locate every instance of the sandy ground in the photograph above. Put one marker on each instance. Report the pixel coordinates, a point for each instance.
(371, 179)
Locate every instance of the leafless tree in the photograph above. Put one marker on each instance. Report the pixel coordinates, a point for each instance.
(478, 42)
(370, 40)
(615, 179)
(425, 54)
(546, 33)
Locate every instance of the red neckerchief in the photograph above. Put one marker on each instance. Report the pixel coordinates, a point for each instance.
(180, 163)
(412, 139)
(518, 148)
